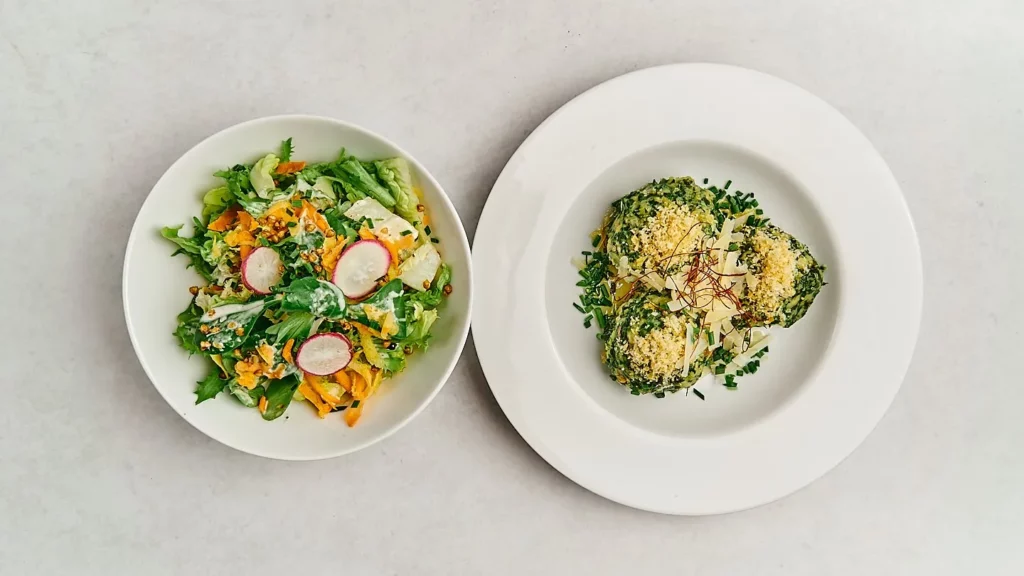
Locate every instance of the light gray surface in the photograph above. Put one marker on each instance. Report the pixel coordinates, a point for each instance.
(99, 476)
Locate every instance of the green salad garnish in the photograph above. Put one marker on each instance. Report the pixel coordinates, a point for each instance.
(321, 280)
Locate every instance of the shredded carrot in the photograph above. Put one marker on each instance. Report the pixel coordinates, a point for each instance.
(318, 386)
(369, 348)
(238, 237)
(352, 415)
(393, 250)
(333, 247)
(290, 167)
(263, 404)
(224, 221)
(246, 221)
(371, 331)
(309, 394)
(287, 352)
(405, 242)
(342, 378)
(310, 211)
(266, 352)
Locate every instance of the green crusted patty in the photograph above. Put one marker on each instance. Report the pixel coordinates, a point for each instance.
(632, 215)
(807, 279)
(644, 324)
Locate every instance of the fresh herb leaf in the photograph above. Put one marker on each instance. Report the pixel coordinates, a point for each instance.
(286, 150)
(279, 396)
(295, 326)
(315, 296)
(210, 386)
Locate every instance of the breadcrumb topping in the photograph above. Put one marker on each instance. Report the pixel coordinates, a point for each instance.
(659, 351)
(775, 283)
(669, 237)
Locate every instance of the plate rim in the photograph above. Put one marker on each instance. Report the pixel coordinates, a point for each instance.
(540, 447)
(464, 246)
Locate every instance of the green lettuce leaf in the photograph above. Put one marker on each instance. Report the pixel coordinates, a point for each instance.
(394, 173)
(433, 297)
(248, 398)
(237, 180)
(210, 386)
(286, 150)
(315, 296)
(191, 247)
(279, 396)
(356, 179)
(297, 325)
(262, 175)
(187, 331)
(215, 202)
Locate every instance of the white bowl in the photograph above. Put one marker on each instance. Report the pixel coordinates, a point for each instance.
(155, 289)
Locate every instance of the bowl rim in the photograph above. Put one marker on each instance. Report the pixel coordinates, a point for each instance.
(464, 247)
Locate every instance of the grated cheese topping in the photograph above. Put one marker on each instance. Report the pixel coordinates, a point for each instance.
(659, 351)
(776, 280)
(669, 236)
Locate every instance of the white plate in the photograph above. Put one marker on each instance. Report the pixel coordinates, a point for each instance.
(156, 286)
(827, 381)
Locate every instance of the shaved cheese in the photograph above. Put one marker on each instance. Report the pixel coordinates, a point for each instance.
(723, 311)
(654, 280)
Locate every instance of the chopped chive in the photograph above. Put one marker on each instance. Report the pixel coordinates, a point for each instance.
(705, 180)
(719, 370)
(435, 241)
(297, 203)
(406, 232)
(727, 184)
(599, 316)
(698, 393)
(659, 394)
(355, 404)
(292, 224)
(586, 321)
(427, 230)
(578, 307)
(596, 240)
(733, 246)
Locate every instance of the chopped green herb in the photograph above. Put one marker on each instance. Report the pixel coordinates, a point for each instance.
(578, 307)
(427, 230)
(698, 393)
(297, 203)
(406, 232)
(435, 241)
(727, 184)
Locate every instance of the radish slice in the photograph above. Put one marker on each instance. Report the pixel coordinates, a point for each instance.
(262, 270)
(324, 354)
(360, 266)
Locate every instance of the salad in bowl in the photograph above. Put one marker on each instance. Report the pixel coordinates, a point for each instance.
(319, 281)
